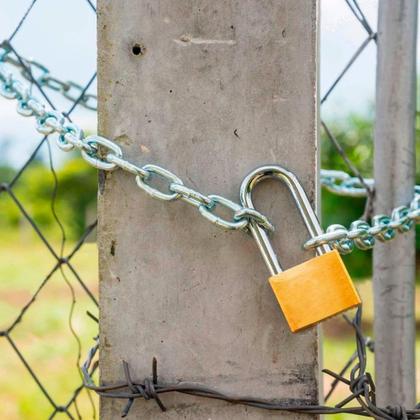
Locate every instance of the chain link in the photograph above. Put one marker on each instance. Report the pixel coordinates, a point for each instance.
(361, 234)
(106, 155)
(341, 183)
(41, 74)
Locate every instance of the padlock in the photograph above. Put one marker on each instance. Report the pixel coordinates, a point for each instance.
(316, 289)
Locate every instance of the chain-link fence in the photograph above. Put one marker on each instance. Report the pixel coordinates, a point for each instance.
(64, 268)
(47, 294)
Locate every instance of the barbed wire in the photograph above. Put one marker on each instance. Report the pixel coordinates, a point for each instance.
(360, 384)
(100, 152)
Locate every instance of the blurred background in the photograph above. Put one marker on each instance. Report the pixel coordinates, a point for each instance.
(58, 192)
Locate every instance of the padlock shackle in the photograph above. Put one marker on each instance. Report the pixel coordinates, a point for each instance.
(302, 202)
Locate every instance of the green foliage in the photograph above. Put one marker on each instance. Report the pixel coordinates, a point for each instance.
(344, 210)
(75, 195)
(77, 186)
(355, 135)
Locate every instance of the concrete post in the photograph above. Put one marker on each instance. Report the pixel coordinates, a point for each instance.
(209, 89)
(394, 263)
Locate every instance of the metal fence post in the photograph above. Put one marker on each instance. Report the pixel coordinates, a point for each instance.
(209, 90)
(394, 264)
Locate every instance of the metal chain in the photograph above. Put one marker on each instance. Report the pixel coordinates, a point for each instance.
(362, 234)
(341, 183)
(106, 155)
(69, 89)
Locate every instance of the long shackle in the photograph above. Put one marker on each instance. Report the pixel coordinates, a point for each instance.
(302, 202)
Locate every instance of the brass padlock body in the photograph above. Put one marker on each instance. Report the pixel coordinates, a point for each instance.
(314, 291)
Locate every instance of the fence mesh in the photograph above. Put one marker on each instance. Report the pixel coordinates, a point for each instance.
(357, 12)
(52, 247)
(62, 252)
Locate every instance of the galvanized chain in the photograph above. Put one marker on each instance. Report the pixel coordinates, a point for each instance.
(69, 89)
(345, 185)
(106, 155)
(341, 183)
(362, 234)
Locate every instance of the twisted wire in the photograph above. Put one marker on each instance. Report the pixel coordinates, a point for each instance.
(360, 385)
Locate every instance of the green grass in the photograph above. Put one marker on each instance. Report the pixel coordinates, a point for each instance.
(338, 345)
(43, 336)
(47, 343)
(336, 353)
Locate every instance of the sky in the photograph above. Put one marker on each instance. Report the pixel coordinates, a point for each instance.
(61, 34)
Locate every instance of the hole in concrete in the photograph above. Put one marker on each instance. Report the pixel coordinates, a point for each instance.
(138, 49)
